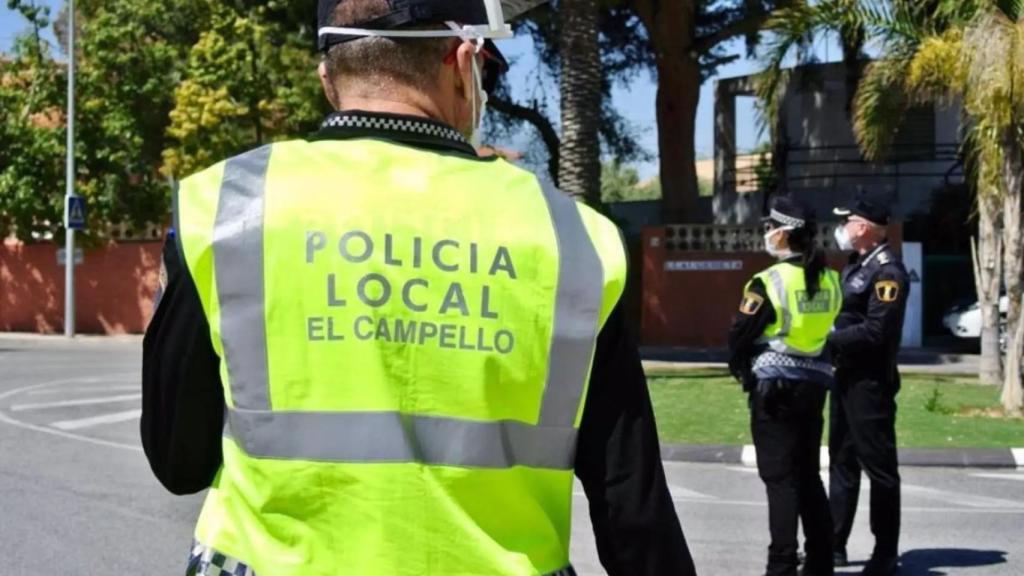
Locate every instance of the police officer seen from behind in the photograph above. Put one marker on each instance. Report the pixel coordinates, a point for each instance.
(777, 345)
(865, 342)
(385, 355)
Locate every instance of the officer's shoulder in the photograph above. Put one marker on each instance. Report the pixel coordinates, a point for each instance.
(216, 171)
(889, 265)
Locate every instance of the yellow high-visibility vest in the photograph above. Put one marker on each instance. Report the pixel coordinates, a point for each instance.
(802, 322)
(406, 339)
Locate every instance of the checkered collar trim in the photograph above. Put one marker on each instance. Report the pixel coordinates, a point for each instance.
(395, 126)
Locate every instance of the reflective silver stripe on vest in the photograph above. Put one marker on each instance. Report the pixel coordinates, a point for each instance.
(368, 437)
(577, 311)
(393, 436)
(238, 265)
(777, 342)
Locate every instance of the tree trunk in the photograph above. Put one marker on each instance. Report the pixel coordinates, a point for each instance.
(1013, 263)
(987, 267)
(671, 27)
(1013, 394)
(677, 100)
(579, 170)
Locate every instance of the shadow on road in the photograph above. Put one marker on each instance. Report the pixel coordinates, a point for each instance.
(931, 561)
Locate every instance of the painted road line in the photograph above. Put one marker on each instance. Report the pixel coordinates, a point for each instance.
(680, 493)
(1018, 456)
(81, 402)
(1008, 476)
(959, 498)
(5, 419)
(52, 391)
(97, 420)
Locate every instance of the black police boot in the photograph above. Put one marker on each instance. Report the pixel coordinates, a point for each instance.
(839, 559)
(881, 566)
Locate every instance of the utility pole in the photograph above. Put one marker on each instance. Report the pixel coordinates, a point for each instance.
(69, 257)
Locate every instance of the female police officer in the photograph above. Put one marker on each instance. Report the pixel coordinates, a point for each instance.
(777, 345)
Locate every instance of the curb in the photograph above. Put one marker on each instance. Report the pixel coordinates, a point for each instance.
(917, 457)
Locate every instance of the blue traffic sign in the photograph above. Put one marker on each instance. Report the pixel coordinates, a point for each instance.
(74, 212)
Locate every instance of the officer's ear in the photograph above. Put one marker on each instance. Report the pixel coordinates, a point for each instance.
(330, 90)
(464, 56)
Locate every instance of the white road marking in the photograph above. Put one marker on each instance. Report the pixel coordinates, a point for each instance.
(1008, 476)
(1018, 455)
(45, 430)
(680, 493)
(960, 498)
(80, 402)
(91, 389)
(97, 420)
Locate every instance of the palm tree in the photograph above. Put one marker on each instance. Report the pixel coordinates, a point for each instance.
(579, 170)
(943, 51)
(968, 51)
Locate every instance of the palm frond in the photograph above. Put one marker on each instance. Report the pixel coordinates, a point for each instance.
(785, 30)
(989, 92)
(937, 71)
(879, 105)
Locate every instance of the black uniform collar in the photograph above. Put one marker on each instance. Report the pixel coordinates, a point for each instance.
(399, 128)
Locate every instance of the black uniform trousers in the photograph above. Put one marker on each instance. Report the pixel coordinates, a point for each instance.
(786, 423)
(862, 435)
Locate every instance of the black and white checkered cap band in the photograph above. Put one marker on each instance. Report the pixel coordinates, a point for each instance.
(786, 220)
(205, 561)
(405, 125)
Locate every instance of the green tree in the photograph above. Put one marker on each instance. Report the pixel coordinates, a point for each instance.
(248, 81)
(164, 89)
(681, 44)
(31, 132)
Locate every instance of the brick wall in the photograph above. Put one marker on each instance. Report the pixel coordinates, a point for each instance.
(114, 288)
(690, 296)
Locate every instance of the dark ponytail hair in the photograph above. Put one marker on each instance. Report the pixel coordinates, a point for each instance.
(802, 241)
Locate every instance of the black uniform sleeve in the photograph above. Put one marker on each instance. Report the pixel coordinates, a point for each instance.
(182, 400)
(618, 461)
(884, 315)
(753, 317)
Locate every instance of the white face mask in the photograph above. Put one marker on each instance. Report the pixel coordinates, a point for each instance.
(770, 248)
(843, 240)
(478, 111)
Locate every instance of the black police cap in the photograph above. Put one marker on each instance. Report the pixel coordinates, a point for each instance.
(867, 208)
(788, 211)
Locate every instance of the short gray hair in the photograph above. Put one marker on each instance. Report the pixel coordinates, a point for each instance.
(382, 62)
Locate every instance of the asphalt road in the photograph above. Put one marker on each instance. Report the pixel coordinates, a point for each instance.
(77, 497)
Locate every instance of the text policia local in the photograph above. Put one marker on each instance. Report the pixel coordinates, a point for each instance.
(373, 291)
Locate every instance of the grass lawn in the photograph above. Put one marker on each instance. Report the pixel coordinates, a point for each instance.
(708, 407)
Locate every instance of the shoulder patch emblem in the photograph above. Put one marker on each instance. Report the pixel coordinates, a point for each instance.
(887, 290)
(884, 258)
(751, 303)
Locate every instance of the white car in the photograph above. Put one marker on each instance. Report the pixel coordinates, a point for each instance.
(965, 321)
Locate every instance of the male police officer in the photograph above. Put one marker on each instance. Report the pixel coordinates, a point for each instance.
(417, 346)
(865, 343)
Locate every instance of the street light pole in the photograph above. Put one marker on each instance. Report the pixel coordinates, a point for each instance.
(69, 257)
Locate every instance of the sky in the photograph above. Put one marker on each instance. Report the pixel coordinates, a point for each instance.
(634, 100)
